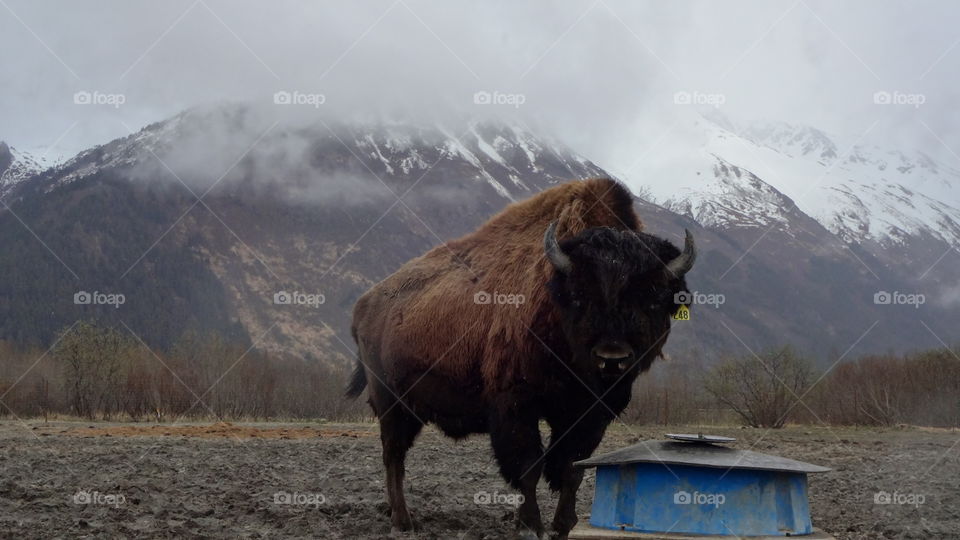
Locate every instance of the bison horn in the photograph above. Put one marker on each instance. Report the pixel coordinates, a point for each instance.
(557, 257)
(682, 264)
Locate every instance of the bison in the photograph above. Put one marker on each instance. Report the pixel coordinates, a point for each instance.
(549, 311)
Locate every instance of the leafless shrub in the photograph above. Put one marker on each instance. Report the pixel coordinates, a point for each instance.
(762, 390)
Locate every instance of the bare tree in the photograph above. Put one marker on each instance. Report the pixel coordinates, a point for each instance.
(92, 358)
(763, 390)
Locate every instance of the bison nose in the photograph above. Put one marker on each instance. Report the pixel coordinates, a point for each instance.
(612, 357)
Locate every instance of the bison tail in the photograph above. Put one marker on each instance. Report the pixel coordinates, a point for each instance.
(358, 381)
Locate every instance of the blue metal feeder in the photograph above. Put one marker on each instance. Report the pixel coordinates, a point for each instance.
(690, 486)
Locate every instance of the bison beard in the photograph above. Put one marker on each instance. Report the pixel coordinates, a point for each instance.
(589, 313)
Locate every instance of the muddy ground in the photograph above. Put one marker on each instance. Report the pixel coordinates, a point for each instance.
(69, 479)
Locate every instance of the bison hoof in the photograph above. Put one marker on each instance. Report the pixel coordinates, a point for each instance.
(400, 531)
(560, 531)
(401, 522)
(527, 534)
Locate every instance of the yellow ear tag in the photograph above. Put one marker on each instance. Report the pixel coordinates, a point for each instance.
(682, 314)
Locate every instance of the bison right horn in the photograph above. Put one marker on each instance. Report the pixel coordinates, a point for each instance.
(682, 264)
(557, 257)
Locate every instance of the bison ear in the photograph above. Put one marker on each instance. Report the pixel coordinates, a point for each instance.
(560, 260)
(682, 263)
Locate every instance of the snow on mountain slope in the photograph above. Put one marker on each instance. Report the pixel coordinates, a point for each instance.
(499, 155)
(859, 192)
(736, 198)
(16, 165)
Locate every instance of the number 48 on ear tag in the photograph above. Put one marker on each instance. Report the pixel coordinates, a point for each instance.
(682, 314)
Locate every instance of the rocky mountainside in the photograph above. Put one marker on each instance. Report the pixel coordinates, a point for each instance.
(265, 228)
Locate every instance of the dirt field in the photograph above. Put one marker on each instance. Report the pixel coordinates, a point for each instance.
(324, 481)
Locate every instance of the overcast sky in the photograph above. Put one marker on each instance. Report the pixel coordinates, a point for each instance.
(601, 75)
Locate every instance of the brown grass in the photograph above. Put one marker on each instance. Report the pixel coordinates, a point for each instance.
(217, 430)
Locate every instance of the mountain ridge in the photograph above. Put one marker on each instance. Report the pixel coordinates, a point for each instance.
(320, 208)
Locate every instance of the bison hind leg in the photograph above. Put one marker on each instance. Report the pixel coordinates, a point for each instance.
(398, 429)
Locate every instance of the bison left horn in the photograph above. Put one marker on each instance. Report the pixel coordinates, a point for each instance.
(682, 264)
(557, 257)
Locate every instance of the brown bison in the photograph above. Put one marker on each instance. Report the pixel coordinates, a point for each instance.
(548, 311)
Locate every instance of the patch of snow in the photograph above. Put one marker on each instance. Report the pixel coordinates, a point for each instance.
(529, 148)
(368, 138)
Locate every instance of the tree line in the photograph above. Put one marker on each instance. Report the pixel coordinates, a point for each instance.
(779, 386)
(99, 372)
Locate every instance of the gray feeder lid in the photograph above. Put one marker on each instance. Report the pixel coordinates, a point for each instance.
(700, 437)
(699, 455)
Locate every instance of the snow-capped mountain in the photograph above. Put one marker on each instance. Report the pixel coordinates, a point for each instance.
(317, 206)
(16, 165)
(862, 193)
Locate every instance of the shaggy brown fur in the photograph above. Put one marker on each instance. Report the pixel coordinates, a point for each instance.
(425, 313)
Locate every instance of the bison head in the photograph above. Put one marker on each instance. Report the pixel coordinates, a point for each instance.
(615, 294)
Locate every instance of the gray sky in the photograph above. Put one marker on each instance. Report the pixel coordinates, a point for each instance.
(600, 75)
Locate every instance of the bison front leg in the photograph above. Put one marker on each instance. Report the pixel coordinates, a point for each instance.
(519, 453)
(565, 518)
(567, 445)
